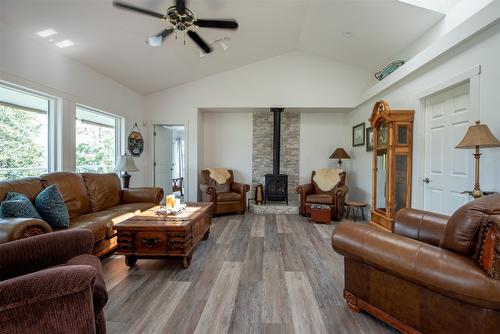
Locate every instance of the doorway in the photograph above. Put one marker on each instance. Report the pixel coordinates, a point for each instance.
(448, 171)
(169, 159)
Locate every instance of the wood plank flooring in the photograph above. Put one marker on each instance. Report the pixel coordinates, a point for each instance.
(255, 274)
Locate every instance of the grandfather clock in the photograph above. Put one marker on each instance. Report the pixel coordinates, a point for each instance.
(391, 163)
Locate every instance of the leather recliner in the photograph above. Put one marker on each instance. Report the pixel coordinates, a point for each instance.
(227, 197)
(312, 194)
(432, 275)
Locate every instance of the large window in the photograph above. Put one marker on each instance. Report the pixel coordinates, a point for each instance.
(24, 133)
(97, 140)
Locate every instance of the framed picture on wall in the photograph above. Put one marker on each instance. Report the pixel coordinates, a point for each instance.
(369, 139)
(358, 135)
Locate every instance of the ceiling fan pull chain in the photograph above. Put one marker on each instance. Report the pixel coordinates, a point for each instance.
(184, 37)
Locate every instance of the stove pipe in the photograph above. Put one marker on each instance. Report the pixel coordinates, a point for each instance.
(276, 139)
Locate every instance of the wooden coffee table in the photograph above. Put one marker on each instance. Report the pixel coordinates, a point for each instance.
(148, 235)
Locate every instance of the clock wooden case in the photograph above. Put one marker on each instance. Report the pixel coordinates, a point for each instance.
(391, 163)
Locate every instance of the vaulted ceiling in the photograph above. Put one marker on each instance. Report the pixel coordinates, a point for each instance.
(364, 33)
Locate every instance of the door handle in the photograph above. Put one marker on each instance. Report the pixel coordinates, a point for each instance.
(426, 180)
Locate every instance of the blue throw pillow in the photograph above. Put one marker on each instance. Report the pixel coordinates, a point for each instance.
(18, 206)
(50, 205)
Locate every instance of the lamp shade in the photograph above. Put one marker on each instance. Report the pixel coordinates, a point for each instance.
(340, 153)
(478, 135)
(126, 164)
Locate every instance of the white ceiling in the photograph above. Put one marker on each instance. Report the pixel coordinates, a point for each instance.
(112, 41)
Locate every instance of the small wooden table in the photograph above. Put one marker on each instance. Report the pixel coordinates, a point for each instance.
(355, 207)
(149, 235)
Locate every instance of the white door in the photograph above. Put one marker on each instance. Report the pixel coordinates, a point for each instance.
(163, 158)
(448, 171)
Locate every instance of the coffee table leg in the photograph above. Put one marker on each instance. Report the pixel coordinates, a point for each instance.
(130, 260)
(206, 235)
(186, 261)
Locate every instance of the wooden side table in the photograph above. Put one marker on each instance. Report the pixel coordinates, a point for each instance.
(355, 207)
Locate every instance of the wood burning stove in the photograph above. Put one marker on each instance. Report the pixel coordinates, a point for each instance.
(276, 184)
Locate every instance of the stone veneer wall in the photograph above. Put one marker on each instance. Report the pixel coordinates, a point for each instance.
(262, 154)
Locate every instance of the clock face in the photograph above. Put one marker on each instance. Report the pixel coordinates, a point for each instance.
(382, 135)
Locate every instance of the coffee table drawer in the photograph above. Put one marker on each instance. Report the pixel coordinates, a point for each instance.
(150, 242)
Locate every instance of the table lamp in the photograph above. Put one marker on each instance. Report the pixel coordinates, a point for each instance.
(340, 154)
(126, 164)
(478, 135)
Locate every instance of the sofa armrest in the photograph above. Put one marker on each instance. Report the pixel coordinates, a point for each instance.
(240, 188)
(52, 300)
(42, 251)
(420, 225)
(341, 191)
(18, 228)
(208, 193)
(428, 266)
(305, 189)
(142, 195)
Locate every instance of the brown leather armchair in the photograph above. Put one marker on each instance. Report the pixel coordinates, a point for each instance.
(311, 194)
(51, 283)
(228, 197)
(432, 275)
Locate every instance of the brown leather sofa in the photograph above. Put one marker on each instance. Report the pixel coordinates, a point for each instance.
(95, 202)
(432, 275)
(51, 283)
(228, 197)
(311, 194)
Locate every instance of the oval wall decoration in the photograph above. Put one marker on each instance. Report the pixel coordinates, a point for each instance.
(135, 142)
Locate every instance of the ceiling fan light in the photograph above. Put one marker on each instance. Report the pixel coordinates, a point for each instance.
(155, 41)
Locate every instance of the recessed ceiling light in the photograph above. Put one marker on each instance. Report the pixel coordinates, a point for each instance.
(46, 33)
(347, 34)
(64, 44)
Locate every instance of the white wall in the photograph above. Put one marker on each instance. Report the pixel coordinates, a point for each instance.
(320, 134)
(483, 50)
(227, 143)
(29, 62)
(290, 80)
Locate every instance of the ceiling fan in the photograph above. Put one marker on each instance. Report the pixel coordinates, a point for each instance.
(179, 18)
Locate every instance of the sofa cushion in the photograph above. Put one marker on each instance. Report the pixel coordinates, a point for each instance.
(99, 294)
(320, 199)
(72, 189)
(109, 218)
(50, 205)
(17, 205)
(29, 186)
(461, 233)
(228, 197)
(104, 190)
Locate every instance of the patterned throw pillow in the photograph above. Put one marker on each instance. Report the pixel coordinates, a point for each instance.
(50, 205)
(19, 206)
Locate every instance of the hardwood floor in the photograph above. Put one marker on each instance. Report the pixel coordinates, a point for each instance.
(255, 274)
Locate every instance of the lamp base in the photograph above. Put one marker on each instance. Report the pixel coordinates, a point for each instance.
(125, 180)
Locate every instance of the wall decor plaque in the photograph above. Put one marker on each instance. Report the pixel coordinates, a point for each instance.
(135, 142)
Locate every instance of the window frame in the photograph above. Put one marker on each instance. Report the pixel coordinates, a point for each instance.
(118, 128)
(52, 119)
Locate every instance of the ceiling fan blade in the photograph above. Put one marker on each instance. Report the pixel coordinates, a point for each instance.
(180, 5)
(222, 24)
(156, 40)
(201, 43)
(137, 9)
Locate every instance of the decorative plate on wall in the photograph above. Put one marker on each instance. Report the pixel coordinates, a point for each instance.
(380, 75)
(135, 142)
